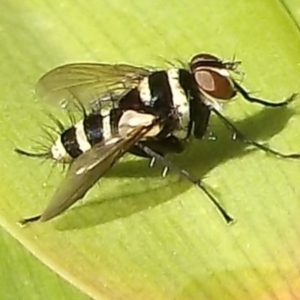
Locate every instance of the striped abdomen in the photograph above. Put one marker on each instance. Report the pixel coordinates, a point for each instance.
(78, 138)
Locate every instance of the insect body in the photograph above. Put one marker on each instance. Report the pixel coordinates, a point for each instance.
(74, 140)
(85, 171)
(180, 100)
(163, 93)
(97, 126)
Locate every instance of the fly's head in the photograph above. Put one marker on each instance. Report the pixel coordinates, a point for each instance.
(213, 78)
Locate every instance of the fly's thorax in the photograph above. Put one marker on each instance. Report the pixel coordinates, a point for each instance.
(145, 92)
(179, 96)
(164, 93)
(182, 121)
(180, 103)
(132, 119)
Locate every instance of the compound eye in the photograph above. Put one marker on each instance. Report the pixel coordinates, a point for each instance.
(214, 84)
(205, 80)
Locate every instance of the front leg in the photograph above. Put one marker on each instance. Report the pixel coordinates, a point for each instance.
(240, 136)
(261, 101)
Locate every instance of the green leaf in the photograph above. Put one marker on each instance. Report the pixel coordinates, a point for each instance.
(24, 277)
(138, 236)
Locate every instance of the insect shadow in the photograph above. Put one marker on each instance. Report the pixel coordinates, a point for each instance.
(199, 158)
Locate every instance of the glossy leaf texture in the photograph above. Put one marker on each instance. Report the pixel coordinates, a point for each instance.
(136, 235)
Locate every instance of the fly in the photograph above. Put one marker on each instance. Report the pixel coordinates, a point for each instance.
(182, 99)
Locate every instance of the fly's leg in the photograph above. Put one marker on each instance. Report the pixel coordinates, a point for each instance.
(240, 136)
(247, 97)
(183, 173)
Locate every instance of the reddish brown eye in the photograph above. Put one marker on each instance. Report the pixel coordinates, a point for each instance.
(214, 84)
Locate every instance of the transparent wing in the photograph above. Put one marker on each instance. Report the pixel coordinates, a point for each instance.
(89, 82)
(87, 170)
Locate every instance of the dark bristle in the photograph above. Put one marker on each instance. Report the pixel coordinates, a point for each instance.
(27, 221)
(81, 108)
(78, 105)
(47, 127)
(71, 117)
(30, 154)
(56, 121)
(48, 136)
(42, 147)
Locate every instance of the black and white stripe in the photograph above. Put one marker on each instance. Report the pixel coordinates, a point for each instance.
(78, 138)
(158, 94)
(164, 89)
(176, 88)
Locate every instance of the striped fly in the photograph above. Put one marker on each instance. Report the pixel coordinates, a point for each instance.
(146, 112)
